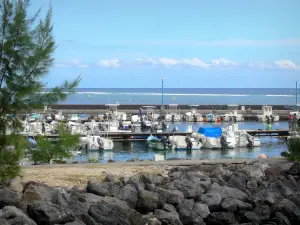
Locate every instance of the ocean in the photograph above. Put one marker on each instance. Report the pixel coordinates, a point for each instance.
(186, 96)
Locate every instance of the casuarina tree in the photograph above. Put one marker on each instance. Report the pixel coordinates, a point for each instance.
(26, 49)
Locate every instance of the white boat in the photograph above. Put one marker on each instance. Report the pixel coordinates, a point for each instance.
(59, 116)
(212, 117)
(193, 116)
(211, 138)
(267, 113)
(242, 138)
(173, 115)
(295, 113)
(113, 109)
(73, 117)
(34, 117)
(180, 142)
(233, 114)
(96, 143)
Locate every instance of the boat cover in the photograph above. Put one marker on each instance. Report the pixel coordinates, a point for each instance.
(153, 138)
(83, 115)
(32, 141)
(210, 131)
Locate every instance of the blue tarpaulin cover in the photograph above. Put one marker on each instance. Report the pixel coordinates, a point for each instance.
(153, 138)
(210, 131)
(32, 141)
(83, 115)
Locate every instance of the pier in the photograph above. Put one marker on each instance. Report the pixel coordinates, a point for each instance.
(144, 135)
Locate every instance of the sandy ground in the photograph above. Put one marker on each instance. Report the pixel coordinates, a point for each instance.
(78, 174)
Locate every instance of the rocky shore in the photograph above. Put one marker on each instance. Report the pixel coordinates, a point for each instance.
(254, 192)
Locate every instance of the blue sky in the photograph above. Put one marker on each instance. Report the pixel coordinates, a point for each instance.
(192, 43)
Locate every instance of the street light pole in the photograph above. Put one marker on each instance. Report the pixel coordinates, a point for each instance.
(162, 91)
(297, 92)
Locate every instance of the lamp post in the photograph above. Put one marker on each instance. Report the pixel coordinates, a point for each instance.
(297, 92)
(162, 91)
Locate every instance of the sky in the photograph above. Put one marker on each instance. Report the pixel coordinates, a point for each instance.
(191, 43)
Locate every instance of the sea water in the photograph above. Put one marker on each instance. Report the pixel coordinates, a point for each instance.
(126, 150)
(186, 96)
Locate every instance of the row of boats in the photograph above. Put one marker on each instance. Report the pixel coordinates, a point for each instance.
(209, 138)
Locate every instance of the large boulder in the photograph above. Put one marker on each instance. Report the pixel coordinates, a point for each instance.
(169, 208)
(228, 192)
(103, 189)
(212, 200)
(224, 218)
(9, 197)
(238, 180)
(186, 213)
(38, 192)
(140, 180)
(295, 169)
(194, 176)
(219, 170)
(80, 203)
(256, 170)
(172, 196)
(15, 216)
(259, 214)
(148, 201)
(114, 212)
(167, 218)
(47, 213)
(201, 210)
(281, 219)
(289, 209)
(190, 189)
(233, 205)
(128, 194)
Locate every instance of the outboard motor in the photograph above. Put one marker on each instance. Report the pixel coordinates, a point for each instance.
(173, 119)
(189, 143)
(250, 141)
(164, 140)
(120, 125)
(183, 118)
(100, 143)
(223, 141)
(164, 125)
(272, 118)
(195, 118)
(105, 116)
(143, 126)
(234, 119)
(52, 116)
(43, 128)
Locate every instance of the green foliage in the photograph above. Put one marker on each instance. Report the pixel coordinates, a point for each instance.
(10, 156)
(294, 148)
(61, 149)
(26, 48)
(93, 160)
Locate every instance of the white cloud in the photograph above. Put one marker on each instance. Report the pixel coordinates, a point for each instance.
(195, 62)
(168, 62)
(109, 63)
(286, 64)
(72, 63)
(223, 62)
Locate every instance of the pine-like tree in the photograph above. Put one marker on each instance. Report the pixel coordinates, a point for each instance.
(26, 48)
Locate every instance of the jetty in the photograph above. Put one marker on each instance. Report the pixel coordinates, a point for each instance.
(145, 135)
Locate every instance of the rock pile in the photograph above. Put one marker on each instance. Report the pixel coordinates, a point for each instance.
(256, 193)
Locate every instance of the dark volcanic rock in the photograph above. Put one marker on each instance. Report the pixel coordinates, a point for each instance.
(224, 218)
(212, 200)
(169, 208)
(259, 214)
(228, 192)
(172, 196)
(295, 169)
(148, 201)
(46, 213)
(289, 209)
(238, 180)
(38, 192)
(128, 194)
(102, 189)
(167, 218)
(189, 189)
(115, 212)
(280, 219)
(12, 215)
(232, 205)
(186, 213)
(9, 197)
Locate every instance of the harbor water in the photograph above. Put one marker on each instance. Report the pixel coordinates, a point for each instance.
(128, 150)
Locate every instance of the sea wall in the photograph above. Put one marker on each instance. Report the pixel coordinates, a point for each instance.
(232, 192)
